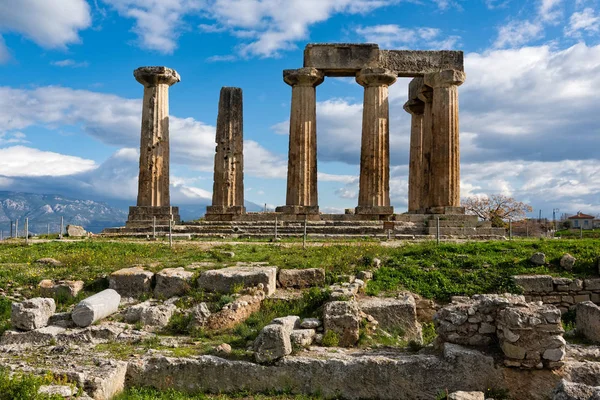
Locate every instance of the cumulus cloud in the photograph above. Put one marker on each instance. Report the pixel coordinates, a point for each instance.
(395, 36)
(21, 161)
(586, 21)
(517, 33)
(52, 24)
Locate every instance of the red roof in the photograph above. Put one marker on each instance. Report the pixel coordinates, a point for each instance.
(580, 215)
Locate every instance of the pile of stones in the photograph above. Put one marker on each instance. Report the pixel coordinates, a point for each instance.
(276, 340)
(529, 334)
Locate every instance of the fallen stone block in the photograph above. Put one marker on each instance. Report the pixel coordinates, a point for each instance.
(394, 314)
(301, 278)
(96, 307)
(49, 261)
(172, 282)
(76, 231)
(343, 319)
(225, 280)
(466, 396)
(62, 289)
(567, 262)
(310, 323)
(33, 313)
(302, 337)
(131, 282)
(157, 316)
(57, 390)
(272, 343)
(534, 283)
(38, 337)
(576, 391)
(588, 321)
(63, 320)
(538, 259)
(235, 313)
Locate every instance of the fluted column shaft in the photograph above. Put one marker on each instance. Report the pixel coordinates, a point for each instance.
(445, 160)
(153, 185)
(426, 96)
(302, 197)
(374, 182)
(415, 165)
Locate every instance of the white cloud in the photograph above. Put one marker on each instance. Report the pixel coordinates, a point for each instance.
(394, 36)
(587, 21)
(70, 63)
(517, 33)
(549, 10)
(20, 161)
(49, 23)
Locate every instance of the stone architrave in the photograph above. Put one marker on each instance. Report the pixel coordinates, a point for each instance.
(416, 109)
(426, 96)
(302, 157)
(445, 157)
(228, 188)
(374, 188)
(153, 185)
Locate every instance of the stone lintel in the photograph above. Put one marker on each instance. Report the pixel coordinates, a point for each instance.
(407, 63)
(151, 76)
(143, 215)
(298, 209)
(374, 210)
(237, 210)
(445, 210)
(341, 59)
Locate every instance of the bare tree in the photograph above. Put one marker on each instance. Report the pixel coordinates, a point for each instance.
(496, 208)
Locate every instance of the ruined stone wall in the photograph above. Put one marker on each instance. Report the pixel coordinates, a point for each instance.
(564, 293)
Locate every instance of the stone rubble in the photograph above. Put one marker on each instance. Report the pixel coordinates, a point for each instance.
(131, 282)
(76, 231)
(588, 321)
(343, 319)
(466, 396)
(538, 259)
(301, 278)
(49, 261)
(567, 262)
(67, 289)
(32, 314)
(394, 315)
(172, 282)
(226, 279)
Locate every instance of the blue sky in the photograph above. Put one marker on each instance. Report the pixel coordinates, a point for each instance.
(70, 108)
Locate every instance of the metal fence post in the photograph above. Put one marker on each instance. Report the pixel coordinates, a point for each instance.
(171, 231)
(62, 227)
(17, 228)
(26, 230)
(275, 228)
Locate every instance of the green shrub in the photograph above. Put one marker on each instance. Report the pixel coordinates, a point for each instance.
(330, 339)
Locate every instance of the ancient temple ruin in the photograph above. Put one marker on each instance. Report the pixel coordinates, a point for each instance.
(434, 166)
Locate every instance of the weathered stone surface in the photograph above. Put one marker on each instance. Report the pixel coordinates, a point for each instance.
(310, 323)
(301, 278)
(394, 314)
(200, 314)
(343, 319)
(32, 314)
(131, 282)
(588, 320)
(534, 283)
(49, 261)
(96, 307)
(62, 289)
(236, 312)
(76, 231)
(538, 259)
(567, 262)
(228, 188)
(157, 316)
(592, 284)
(302, 337)
(272, 343)
(172, 282)
(576, 391)
(466, 396)
(63, 320)
(57, 390)
(226, 279)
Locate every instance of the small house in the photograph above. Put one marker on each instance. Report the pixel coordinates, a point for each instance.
(582, 221)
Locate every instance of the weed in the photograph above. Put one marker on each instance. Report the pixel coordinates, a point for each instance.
(330, 339)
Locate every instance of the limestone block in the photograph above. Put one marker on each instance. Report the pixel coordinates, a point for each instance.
(538, 259)
(394, 314)
(157, 315)
(301, 278)
(200, 314)
(581, 298)
(63, 320)
(32, 314)
(172, 282)
(272, 343)
(575, 391)
(49, 261)
(310, 323)
(592, 284)
(96, 307)
(57, 391)
(534, 283)
(76, 231)
(588, 320)
(302, 337)
(131, 282)
(567, 262)
(66, 289)
(290, 322)
(226, 279)
(343, 319)
(466, 396)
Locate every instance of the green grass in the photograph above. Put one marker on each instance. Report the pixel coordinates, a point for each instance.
(170, 394)
(24, 386)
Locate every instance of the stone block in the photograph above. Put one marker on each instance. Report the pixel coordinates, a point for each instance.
(343, 319)
(301, 278)
(567, 262)
(172, 282)
(62, 289)
(341, 59)
(302, 337)
(534, 283)
(466, 396)
(49, 261)
(96, 307)
(581, 298)
(131, 282)
(272, 343)
(592, 284)
(310, 323)
(226, 279)
(588, 321)
(595, 297)
(551, 299)
(32, 314)
(76, 231)
(409, 63)
(157, 315)
(575, 391)
(394, 314)
(538, 258)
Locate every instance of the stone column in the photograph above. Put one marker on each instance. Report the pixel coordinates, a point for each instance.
(228, 187)
(374, 188)
(415, 108)
(153, 186)
(302, 157)
(445, 157)
(426, 96)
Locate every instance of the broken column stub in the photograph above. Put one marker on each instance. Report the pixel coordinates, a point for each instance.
(228, 187)
(301, 197)
(153, 184)
(96, 307)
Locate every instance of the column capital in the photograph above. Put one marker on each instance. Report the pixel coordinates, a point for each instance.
(414, 88)
(425, 94)
(152, 76)
(375, 77)
(303, 77)
(446, 78)
(414, 107)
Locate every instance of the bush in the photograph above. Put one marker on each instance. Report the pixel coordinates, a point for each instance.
(330, 339)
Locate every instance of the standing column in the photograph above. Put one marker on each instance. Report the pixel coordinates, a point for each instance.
(415, 108)
(228, 187)
(302, 157)
(445, 159)
(153, 185)
(374, 188)
(426, 96)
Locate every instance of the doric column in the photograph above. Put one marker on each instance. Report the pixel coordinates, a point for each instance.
(228, 187)
(445, 158)
(153, 185)
(426, 96)
(374, 188)
(415, 108)
(302, 157)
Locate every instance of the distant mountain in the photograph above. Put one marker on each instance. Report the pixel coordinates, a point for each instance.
(45, 210)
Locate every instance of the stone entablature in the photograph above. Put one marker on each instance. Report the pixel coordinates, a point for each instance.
(564, 293)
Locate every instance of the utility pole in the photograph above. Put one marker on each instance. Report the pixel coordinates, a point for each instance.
(554, 211)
